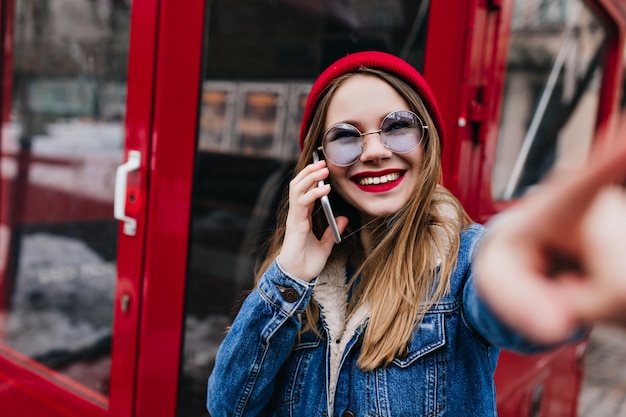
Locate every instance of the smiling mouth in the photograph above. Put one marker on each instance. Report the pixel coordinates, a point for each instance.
(383, 179)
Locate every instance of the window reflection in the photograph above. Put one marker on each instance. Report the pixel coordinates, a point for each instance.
(259, 121)
(552, 92)
(61, 141)
(252, 118)
(261, 58)
(217, 114)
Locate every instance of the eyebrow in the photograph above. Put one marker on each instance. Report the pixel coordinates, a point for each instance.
(356, 123)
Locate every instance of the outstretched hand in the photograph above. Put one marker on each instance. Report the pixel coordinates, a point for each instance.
(557, 260)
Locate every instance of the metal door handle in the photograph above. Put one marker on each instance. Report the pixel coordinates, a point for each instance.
(119, 204)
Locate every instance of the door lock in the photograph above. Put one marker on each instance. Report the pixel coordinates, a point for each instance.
(125, 303)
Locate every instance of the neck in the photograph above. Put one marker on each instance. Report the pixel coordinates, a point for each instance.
(369, 224)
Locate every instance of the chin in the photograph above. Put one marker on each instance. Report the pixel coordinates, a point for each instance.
(380, 212)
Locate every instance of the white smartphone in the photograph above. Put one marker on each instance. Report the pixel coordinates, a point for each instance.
(328, 211)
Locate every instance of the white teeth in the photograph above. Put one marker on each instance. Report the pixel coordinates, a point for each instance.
(379, 180)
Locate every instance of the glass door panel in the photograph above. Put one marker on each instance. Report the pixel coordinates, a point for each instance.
(62, 140)
(261, 58)
(551, 93)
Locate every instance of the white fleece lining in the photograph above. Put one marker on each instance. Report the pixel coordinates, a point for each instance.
(331, 293)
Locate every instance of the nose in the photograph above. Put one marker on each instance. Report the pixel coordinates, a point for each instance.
(374, 149)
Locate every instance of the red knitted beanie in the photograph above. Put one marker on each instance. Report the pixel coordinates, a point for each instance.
(374, 60)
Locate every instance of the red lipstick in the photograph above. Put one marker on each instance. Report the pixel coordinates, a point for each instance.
(379, 181)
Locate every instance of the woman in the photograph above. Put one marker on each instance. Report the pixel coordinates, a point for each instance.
(388, 322)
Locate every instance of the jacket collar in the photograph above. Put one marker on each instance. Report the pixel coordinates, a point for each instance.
(331, 294)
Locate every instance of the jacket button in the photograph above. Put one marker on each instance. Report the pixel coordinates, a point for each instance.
(347, 414)
(289, 294)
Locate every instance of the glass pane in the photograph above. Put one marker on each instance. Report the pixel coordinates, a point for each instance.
(261, 58)
(61, 143)
(552, 90)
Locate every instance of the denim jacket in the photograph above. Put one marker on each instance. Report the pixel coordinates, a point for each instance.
(264, 369)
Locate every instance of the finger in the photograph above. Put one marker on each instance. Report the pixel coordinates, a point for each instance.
(313, 172)
(304, 189)
(308, 186)
(605, 258)
(556, 209)
(607, 165)
(328, 239)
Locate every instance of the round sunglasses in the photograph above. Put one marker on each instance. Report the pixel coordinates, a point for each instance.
(401, 131)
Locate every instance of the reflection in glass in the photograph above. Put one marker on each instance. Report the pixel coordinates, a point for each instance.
(260, 120)
(552, 92)
(61, 141)
(216, 116)
(261, 58)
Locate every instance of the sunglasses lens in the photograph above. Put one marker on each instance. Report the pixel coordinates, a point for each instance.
(402, 131)
(342, 144)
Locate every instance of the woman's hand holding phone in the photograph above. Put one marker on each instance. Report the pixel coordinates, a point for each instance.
(328, 211)
(302, 254)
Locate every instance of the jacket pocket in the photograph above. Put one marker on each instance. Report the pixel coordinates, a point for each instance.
(294, 375)
(429, 336)
(415, 384)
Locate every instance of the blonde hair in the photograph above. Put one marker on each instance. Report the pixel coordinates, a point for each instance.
(421, 236)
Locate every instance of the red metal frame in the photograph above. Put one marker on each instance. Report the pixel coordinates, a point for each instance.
(6, 38)
(614, 13)
(543, 381)
(25, 386)
(176, 97)
(139, 118)
(444, 70)
(22, 376)
(468, 84)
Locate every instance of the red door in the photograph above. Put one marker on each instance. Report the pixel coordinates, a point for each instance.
(525, 88)
(79, 143)
(69, 300)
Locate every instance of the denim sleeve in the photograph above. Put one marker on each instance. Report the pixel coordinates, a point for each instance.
(485, 322)
(257, 345)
